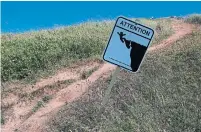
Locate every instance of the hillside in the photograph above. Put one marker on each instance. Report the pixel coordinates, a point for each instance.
(164, 96)
(55, 80)
(32, 55)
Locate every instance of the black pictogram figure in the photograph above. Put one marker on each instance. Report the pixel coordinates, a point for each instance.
(137, 51)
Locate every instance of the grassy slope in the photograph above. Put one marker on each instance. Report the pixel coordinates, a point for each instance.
(164, 96)
(35, 54)
(194, 18)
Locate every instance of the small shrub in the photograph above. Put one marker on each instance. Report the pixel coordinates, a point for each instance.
(2, 120)
(86, 74)
(46, 98)
(38, 106)
(67, 82)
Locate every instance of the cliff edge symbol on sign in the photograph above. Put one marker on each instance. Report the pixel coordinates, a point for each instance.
(137, 51)
(128, 44)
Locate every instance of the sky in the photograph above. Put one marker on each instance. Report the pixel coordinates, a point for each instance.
(25, 16)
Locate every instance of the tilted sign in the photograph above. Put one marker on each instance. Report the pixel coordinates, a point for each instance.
(128, 44)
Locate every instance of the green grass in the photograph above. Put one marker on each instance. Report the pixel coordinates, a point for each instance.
(31, 55)
(67, 82)
(2, 119)
(164, 96)
(162, 28)
(195, 19)
(41, 103)
(46, 98)
(53, 88)
(38, 106)
(85, 74)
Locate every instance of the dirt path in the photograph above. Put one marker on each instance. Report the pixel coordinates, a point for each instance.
(20, 109)
(35, 122)
(180, 30)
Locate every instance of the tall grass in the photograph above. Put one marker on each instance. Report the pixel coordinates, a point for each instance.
(164, 96)
(33, 54)
(26, 54)
(195, 19)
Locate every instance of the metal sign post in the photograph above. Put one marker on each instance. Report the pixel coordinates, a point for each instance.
(126, 48)
(109, 89)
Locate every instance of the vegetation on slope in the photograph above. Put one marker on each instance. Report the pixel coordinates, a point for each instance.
(35, 54)
(164, 96)
(195, 19)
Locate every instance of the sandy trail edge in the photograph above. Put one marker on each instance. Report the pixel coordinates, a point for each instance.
(36, 122)
(180, 30)
(21, 109)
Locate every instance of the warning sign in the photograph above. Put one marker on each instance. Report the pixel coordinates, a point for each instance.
(128, 44)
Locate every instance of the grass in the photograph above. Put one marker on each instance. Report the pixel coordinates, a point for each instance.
(46, 90)
(68, 82)
(163, 96)
(85, 74)
(41, 103)
(32, 55)
(2, 119)
(162, 27)
(195, 19)
(38, 106)
(46, 98)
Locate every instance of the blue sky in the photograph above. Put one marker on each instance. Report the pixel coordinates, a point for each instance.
(25, 16)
